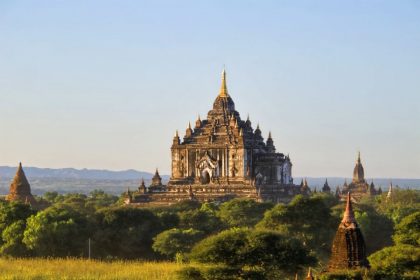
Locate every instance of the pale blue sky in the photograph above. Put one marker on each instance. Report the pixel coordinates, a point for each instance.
(105, 84)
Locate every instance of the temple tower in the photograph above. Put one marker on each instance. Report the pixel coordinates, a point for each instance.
(20, 190)
(348, 249)
(358, 172)
(326, 188)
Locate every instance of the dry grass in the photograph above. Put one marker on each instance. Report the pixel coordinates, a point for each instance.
(85, 269)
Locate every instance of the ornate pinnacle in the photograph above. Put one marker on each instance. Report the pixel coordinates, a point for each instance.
(348, 217)
(223, 88)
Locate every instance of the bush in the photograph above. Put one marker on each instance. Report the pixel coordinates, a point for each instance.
(242, 212)
(240, 248)
(189, 273)
(408, 230)
(402, 260)
(173, 241)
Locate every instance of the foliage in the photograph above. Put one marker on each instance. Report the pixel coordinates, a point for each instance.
(308, 219)
(12, 237)
(190, 273)
(408, 230)
(205, 221)
(401, 260)
(57, 231)
(354, 274)
(239, 248)
(11, 212)
(242, 212)
(13, 217)
(173, 241)
(125, 232)
(376, 227)
(402, 204)
(185, 205)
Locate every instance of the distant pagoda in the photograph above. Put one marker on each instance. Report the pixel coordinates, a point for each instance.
(20, 190)
(348, 249)
(359, 187)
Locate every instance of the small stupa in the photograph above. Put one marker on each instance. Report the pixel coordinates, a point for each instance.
(20, 190)
(348, 249)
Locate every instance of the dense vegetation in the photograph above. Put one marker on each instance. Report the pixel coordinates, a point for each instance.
(239, 239)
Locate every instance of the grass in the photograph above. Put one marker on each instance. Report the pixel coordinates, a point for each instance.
(41, 269)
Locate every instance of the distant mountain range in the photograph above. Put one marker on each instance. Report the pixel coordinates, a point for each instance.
(66, 180)
(72, 173)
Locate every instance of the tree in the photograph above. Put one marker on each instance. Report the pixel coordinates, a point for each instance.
(12, 237)
(308, 219)
(57, 231)
(99, 199)
(242, 212)
(408, 230)
(173, 241)
(13, 217)
(205, 221)
(243, 248)
(377, 228)
(125, 232)
(185, 205)
(14, 211)
(402, 204)
(399, 261)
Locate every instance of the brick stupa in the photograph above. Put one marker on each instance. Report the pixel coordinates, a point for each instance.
(348, 249)
(20, 190)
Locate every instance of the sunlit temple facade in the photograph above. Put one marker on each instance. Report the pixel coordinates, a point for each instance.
(222, 157)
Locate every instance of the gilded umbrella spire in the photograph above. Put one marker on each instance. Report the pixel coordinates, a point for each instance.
(223, 88)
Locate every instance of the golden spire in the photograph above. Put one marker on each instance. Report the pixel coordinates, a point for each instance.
(358, 157)
(348, 217)
(223, 88)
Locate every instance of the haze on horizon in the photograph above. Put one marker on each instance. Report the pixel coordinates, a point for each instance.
(104, 84)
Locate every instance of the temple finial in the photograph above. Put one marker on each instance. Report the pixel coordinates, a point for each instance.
(358, 157)
(223, 88)
(348, 213)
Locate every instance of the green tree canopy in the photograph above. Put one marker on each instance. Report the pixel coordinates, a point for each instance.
(399, 261)
(57, 231)
(308, 219)
(268, 250)
(125, 232)
(242, 212)
(408, 230)
(205, 221)
(173, 241)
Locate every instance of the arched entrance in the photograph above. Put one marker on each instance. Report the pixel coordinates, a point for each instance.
(205, 177)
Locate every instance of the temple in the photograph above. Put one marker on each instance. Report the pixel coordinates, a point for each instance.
(20, 190)
(359, 187)
(223, 157)
(348, 249)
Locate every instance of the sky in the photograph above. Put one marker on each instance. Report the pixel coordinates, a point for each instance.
(105, 84)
